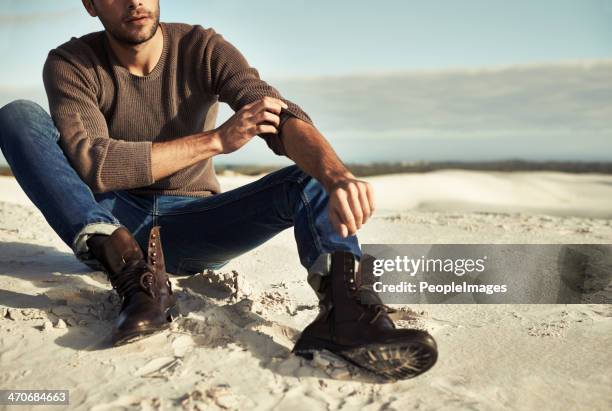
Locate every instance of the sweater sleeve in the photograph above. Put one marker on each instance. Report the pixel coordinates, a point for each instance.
(103, 163)
(229, 76)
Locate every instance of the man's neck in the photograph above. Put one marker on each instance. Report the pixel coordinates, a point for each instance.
(139, 59)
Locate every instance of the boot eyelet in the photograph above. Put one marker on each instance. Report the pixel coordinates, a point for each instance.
(147, 282)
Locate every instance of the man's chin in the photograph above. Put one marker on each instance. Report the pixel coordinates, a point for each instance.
(139, 36)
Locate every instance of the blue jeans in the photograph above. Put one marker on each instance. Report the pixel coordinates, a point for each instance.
(197, 232)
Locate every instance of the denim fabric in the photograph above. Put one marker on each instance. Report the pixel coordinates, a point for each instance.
(197, 232)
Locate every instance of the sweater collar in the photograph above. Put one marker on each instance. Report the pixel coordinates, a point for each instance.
(157, 70)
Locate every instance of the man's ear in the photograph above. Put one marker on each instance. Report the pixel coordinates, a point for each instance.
(89, 6)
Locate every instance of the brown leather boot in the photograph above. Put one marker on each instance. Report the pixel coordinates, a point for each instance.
(354, 324)
(148, 303)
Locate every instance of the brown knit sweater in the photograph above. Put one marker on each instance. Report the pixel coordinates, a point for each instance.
(108, 118)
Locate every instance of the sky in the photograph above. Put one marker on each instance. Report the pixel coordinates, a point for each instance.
(480, 79)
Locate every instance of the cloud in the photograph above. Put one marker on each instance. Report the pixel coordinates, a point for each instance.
(36, 94)
(538, 100)
(37, 17)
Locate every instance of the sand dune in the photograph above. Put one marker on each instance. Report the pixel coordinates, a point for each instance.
(231, 350)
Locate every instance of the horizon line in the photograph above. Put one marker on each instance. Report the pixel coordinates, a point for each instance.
(453, 69)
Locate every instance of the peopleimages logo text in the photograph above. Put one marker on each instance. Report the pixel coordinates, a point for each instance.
(412, 266)
(488, 273)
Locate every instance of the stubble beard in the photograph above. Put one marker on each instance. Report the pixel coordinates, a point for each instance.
(129, 39)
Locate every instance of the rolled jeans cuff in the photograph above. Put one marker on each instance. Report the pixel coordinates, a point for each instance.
(322, 268)
(79, 245)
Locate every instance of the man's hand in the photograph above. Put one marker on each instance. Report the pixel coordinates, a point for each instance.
(258, 117)
(351, 203)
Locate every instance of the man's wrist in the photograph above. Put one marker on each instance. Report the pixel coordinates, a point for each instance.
(331, 178)
(208, 144)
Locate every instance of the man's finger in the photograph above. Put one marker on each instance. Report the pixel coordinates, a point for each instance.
(271, 104)
(355, 204)
(344, 231)
(371, 200)
(274, 100)
(346, 215)
(334, 221)
(339, 227)
(250, 105)
(365, 204)
(266, 116)
(265, 129)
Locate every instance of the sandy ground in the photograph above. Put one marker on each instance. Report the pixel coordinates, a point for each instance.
(231, 350)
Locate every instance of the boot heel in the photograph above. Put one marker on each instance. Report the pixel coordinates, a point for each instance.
(305, 347)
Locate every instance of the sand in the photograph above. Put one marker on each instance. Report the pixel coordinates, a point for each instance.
(231, 350)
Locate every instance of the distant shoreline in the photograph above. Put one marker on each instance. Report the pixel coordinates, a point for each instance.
(374, 169)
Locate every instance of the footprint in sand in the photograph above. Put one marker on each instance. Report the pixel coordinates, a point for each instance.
(162, 367)
(209, 332)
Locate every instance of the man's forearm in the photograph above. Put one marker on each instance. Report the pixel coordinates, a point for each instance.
(307, 147)
(168, 157)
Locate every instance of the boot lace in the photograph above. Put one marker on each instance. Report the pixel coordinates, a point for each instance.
(370, 299)
(136, 276)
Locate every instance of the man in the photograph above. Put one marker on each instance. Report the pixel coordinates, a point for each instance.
(133, 110)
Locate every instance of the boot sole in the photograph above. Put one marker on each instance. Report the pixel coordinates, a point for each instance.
(140, 333)
(392, 361)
